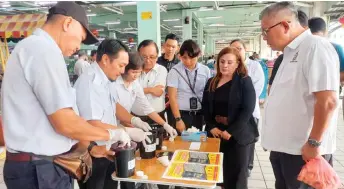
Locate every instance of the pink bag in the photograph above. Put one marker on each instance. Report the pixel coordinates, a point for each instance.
(319, 174)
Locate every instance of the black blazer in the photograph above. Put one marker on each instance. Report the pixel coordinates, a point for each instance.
(242, 100)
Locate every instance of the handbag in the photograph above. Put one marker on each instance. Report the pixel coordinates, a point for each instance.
(77, 162)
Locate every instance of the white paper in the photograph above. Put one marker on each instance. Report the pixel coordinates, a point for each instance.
(195, 146)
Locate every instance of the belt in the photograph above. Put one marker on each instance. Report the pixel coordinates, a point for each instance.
(191, 112)
(21, 157)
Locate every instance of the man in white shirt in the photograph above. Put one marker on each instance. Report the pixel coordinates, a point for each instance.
(81, 64)
(152, 79)
(301, 111)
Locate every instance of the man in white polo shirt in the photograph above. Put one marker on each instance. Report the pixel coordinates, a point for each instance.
(301, 111)
(152, 79)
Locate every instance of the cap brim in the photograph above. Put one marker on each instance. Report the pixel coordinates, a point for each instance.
(90, 38)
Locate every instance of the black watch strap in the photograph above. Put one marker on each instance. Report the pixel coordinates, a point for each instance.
(178, 119)
(92, 144)
(314, 143)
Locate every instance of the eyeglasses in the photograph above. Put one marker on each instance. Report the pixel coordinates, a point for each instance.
(150, 57)
(266, 31)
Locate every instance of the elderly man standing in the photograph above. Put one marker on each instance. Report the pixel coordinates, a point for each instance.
(301, 111)
(38, 104)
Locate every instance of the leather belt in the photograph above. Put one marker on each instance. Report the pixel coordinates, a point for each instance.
(192, 112)
(21, 157)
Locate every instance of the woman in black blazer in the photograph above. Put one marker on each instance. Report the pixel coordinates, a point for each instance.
(228, 102)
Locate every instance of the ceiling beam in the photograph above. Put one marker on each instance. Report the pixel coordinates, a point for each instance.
(216, 5)
(185, 4)
(338, 6)
(301, 4)
(334, 12)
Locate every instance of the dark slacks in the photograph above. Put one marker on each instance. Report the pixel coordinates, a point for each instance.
(149, 120)
(39, 174)
(102, 170)
(251, 160)
(287, 167)
(235, 163)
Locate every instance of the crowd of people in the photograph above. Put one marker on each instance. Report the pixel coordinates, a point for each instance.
(118, 96)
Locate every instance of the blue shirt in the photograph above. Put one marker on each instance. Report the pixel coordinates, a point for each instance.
(340, 53)
(36, 84)
(184, 92)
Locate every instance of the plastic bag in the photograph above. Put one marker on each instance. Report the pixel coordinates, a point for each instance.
(319, 174)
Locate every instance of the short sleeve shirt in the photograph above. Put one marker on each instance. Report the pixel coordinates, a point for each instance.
(36, 84)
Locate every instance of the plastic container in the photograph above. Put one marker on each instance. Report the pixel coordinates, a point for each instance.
(148, 151)
(159, 130)
(124, 159)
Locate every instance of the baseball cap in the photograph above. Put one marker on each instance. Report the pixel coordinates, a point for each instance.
(78, 13)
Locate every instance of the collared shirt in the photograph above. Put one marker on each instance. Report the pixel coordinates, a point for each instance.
(156, 76)
(36, 84)
(80, 66)
(310, 64)
(131, 96)
(167, 63)
(184, 93)
(94, 99)
(256, 73)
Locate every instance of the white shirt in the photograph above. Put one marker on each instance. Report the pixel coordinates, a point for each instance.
(131, 96)
(94, 100)
(36, 84)
(310, 64)
(255, 71)
(156, 76)
(80, 66)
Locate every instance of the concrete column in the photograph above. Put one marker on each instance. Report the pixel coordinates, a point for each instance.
(148, 21)
(200, 34)
(112, 34)
(187, 28)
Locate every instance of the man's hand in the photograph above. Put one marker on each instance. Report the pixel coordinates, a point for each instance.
(221, 119)
(137, 135)
(226, 135)
(138, 123)
(180, 125)
(309, 152)
(101, 152)
(217, 133)
(157, 90)
(170, 130)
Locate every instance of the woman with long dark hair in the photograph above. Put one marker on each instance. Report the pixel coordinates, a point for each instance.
(228, 103)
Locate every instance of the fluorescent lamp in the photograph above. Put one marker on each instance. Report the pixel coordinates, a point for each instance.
(45, 2)
(177, 26)
(216, 25)
(171, 20)
(115, 22)
(212, 17)
(92, 14)
(119, 11)
(124, 41)
(205, 9)
(100, 30)
(5, 5)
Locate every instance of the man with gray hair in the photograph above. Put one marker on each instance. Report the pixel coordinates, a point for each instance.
(300, 113)
(81, 64)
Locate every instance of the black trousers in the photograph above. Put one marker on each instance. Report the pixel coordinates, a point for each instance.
(40, 174)
(251, 160)
(101, 176)
(235, 163)
(287, 167)
(149, 120)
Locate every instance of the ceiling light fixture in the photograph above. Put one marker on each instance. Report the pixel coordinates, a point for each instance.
(5, 5)
(113, 9)
(100, 30)
(171, 20)
(177, 26)
(45, 2)
(212, 17)
(205, 9)
(112, 23)
(92, 14)
(216, 25)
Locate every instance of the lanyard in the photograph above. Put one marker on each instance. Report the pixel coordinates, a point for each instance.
(194, 84)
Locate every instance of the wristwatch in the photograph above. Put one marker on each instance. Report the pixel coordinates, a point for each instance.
(92, 144)
(178, 119)
(313, 142)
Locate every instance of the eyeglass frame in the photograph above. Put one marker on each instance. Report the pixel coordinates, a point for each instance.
(265, 31)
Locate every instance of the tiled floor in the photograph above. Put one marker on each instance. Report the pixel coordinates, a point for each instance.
(262, 175)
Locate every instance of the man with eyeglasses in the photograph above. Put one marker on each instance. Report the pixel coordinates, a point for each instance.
(301, 111)
(152, 79)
